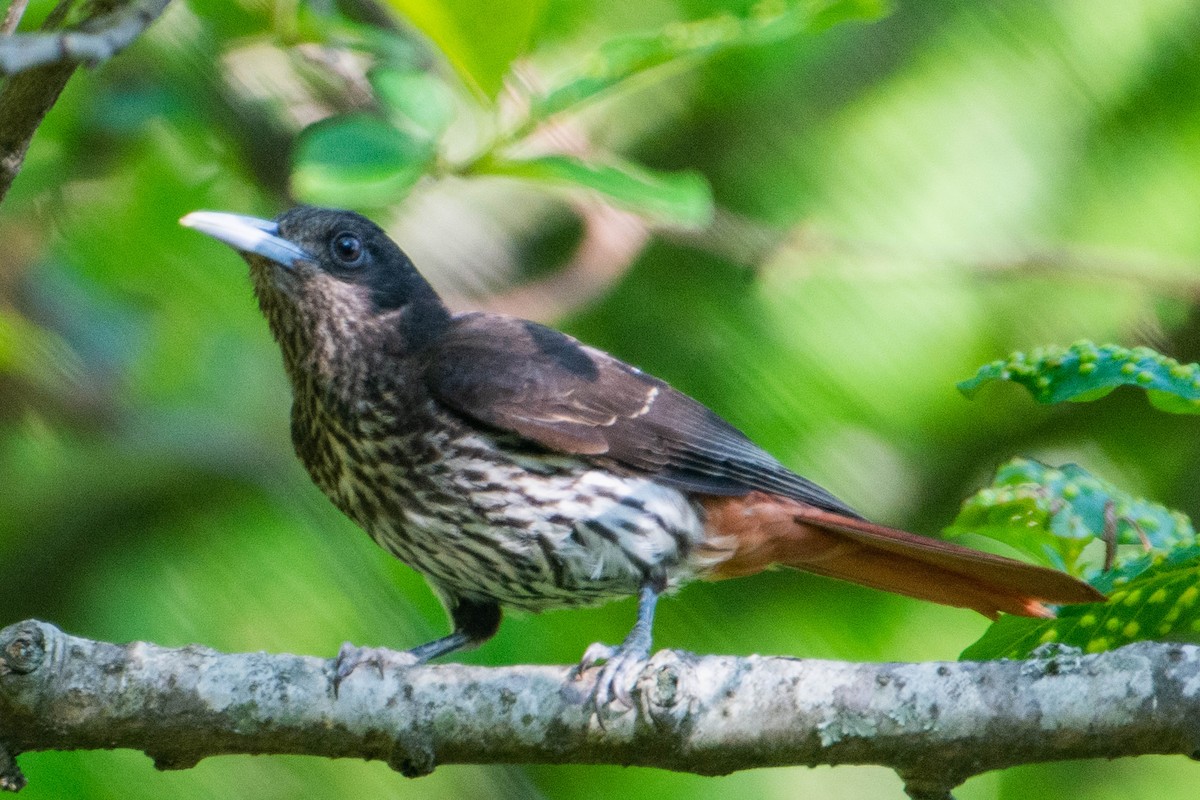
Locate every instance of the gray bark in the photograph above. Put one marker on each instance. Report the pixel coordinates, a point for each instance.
(40, 64)
(96, 40)
(936, 724)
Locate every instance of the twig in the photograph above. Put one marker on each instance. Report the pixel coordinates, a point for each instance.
(96, 40)
(1110, 534)
(936, 724)
(12, 17)
(40, 64)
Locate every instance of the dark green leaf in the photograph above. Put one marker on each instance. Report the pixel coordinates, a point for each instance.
(358, 161)
(682, 197)
(1053, 513)
(623, 58)
(1085, 372)
(1158, 603)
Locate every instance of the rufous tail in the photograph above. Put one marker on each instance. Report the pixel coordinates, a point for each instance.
(750, 533)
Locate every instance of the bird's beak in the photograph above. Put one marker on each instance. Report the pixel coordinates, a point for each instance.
(247, 235)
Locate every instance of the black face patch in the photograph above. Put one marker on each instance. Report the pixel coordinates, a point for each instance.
(564, 351)
(355, 250)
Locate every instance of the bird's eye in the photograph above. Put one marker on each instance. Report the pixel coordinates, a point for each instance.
(347, 248)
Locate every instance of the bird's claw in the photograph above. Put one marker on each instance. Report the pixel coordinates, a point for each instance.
(619, 669)
(350, 658)
(596, 654)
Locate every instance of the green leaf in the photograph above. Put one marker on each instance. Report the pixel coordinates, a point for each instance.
(414, 101)
(682, 197)
(481, 40)
(623, 58)
(357, 161)
(1053, 513)
(1084, 372)
(1158, 603)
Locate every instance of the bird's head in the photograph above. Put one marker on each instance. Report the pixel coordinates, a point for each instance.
(326, 278)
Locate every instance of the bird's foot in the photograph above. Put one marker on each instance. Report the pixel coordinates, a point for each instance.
(350, 658)
(619, 670)
(620, 666)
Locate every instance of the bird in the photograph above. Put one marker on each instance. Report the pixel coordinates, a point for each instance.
(516, 467)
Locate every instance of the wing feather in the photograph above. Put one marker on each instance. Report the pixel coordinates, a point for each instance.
(524, 378)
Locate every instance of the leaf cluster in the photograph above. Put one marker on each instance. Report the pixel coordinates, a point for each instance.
(373, 158)
(1151, 560)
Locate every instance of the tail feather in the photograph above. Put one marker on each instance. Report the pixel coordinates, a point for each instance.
(748, 534)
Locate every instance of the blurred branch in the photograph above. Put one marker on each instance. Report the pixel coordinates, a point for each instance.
(24, 101)
(40, 64)
(12, 17)
(613, 237)
(612, 241)
(936, 724)
(1161, 275)
(95, 40)
(808, 243)
(368, 12)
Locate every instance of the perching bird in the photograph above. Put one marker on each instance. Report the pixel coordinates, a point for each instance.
(514, 466)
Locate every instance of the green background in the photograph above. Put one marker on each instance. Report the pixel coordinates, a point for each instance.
(899, 201)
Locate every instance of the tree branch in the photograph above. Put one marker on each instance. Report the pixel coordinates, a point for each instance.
(40, 64)
(936, 724)
(95, 41)
(24, 102)
(12, 17)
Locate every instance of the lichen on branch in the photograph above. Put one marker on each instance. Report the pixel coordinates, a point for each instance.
(936, 724)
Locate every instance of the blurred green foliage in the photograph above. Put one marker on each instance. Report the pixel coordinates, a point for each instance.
(894, 200)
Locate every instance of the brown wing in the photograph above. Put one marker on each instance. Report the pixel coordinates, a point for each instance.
(528, 379)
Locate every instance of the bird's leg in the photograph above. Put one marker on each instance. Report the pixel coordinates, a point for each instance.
(474, 623)
(621, 664)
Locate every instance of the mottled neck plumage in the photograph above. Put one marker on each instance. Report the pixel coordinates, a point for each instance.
(319, 343)
(338, 344)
